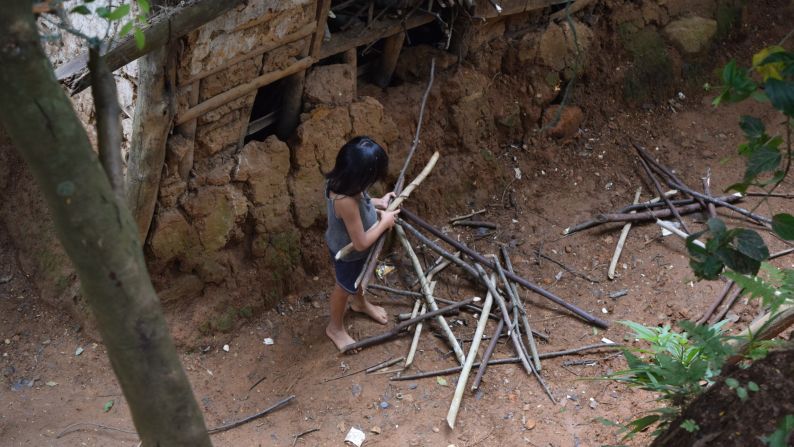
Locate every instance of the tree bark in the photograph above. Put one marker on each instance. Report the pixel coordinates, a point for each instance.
(99, 235)
(108, 120)
(151, 124)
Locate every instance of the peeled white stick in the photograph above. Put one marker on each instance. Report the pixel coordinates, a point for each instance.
(347, 249)
(673, 229)
(429, 300)
(409, 359)
(464, 374)
(622, 240)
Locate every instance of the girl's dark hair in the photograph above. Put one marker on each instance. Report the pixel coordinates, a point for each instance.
(360, 163)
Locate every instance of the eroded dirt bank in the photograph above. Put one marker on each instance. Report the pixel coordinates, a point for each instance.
(48, 387)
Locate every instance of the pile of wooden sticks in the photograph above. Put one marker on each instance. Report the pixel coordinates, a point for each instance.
(500, 285)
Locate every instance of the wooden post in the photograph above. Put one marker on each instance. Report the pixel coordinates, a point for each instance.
(188, 130)
(292, 98)
(392, 46)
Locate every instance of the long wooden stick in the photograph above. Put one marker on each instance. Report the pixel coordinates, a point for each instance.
(710, 311)
(523, 282)
(415, 143)
(452, 414)
(400, 198)
(675, 183)
(671, 228)
(519, 347)
(707, 190)
(518, 304)
(653, 203)
(624, 233)
(409, 359)
(242, 90)
(530, 333)
(374, 254)
(431, 303)
(734, 295)
(658, 187)
(258, 415)
(486, 356)
(507, 361)
(391, 333)
(491, 285)
(764, 328)
(659, 214)
(470, 307)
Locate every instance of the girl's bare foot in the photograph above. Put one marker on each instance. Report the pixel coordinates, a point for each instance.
(340, 337)
(377, 313)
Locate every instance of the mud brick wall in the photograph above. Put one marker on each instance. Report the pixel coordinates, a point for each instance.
(244, 224)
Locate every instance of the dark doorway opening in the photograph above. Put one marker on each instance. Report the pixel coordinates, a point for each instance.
(265, 112)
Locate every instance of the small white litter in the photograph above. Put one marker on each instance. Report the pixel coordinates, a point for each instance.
(518, 173)
(355, 437)
(607, 341)
(268, 341)
(226, 348)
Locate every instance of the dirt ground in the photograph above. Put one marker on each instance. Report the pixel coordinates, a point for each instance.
(53, 376)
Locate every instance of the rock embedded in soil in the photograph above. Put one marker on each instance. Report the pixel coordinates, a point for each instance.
(691, 34)
(569, 121)
(330, 84)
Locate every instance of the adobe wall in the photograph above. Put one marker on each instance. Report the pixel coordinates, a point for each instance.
(243, 227)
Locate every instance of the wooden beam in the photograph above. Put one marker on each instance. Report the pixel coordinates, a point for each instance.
(323, 6)
(341, 42)
(485, 9)
(261, 123)
(242, 90)
(269, 45)
(163, 29)
(392, 46)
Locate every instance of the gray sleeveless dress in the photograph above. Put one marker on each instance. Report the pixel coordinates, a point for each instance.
(336, 235)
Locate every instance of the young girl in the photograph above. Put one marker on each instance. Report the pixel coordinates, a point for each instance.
(352, 217)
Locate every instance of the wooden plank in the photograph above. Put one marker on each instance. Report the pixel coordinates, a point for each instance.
(269, 45)
(260, 123)
(242, 90)
(341, 42)
(392, 46)
(164, 29)
(323, 6)
(484, 9)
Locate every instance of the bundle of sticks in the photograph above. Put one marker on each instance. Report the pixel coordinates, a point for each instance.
(502, 301)
(662, 207)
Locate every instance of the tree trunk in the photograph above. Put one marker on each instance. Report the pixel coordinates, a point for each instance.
(108, 120)
(151, 124)
(99, 235)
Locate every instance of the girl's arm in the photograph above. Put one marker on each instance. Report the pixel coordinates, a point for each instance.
(347, 210)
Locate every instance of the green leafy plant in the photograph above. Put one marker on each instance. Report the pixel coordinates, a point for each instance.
(676, 365)
(690, 426)
(780, 437)
(740, 253)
